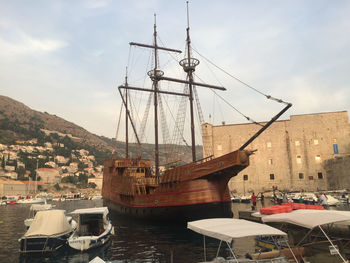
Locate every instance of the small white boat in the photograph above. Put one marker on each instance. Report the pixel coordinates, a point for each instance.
(94, 228)
(35, 200)
(245, 199)
(96, 197)
(48, 232)
(33, 210)
(235, 199)
(332, 200)
(12, 199)
(307, 197)
(344, 198)
(228, 229)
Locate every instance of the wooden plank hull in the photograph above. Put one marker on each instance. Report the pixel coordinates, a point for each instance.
(188, 192)
(175, 213)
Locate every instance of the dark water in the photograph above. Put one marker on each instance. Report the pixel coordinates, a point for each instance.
(134, 241)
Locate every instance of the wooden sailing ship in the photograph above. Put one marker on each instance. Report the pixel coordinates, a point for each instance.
(134, 187)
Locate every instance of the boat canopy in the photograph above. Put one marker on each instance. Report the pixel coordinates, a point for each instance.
(38, 207)
(48, 223)
(95, 210)
(308, 218)
(226, 229)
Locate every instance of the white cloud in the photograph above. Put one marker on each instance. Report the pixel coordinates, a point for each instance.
(292, 50)
(26, 44)
(93, 4)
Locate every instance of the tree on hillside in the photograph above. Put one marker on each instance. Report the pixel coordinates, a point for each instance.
(92, 185)
(21, 171)
(69, 179)
(83, 180)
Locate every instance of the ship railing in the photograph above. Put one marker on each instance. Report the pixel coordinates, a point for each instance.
(148, 181)
(132, 163)
(173, 164)
(208, 158)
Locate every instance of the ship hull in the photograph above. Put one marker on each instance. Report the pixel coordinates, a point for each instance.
(173, 213)
(189, 192)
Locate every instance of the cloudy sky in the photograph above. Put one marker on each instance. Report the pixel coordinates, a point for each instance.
(68, 57)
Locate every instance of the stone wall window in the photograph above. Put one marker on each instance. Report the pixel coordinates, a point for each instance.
(311, 178)
(270, 161)
(315, 142)
(318, 158)
(335, 146)
(272, 177)
(297, 143)
(301, 176)
(298, 159)
(245, 177)
(320, 175)
(268, 145)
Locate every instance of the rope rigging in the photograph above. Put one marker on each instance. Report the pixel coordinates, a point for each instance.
(240, 81)
(189, 88)
(233, 107)
(118, 126)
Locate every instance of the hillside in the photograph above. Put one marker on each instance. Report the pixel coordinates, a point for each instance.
(19, 122)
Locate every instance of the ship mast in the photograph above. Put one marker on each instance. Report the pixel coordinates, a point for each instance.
(189, 64)
(126, 118)
(156, 75)
(155, 88)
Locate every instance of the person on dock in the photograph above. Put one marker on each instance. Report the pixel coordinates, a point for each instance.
(301, 199)
(284, 198)
(253, 201)
(262, 199)
(323, 201)
(275, 199)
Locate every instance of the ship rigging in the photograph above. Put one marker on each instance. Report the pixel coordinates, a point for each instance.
(182, 191)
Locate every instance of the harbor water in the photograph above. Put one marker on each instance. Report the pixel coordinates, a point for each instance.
(134, 241)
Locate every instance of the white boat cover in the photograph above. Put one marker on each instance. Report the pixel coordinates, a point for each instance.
(48, 223)
(95, 210)
(227, 229)
(38, 207)
(308, 218)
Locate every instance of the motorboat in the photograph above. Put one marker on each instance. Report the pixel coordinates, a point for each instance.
(317, 223)
(245, 199)
(94, 228)
(11, 200)
(48, 232)
(228, 229)
(307, 197)
(344, 198)
(35, 200)
(96, 197)
(332, 201)
(34, 208)
(235, 199)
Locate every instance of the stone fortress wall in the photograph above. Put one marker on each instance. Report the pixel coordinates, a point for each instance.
(307, 152)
